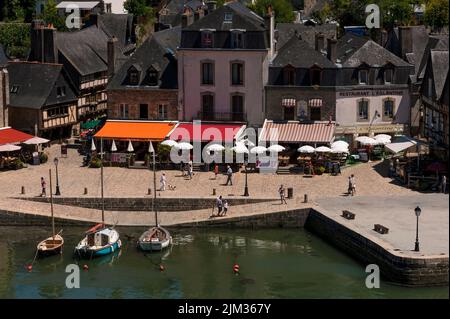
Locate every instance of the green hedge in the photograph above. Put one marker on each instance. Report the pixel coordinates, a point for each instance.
(15, 38)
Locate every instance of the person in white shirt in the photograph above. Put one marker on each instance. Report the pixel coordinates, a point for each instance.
(162, 182)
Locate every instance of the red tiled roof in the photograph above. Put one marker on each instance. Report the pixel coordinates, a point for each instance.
(296, 132)
(10, 135)
(205, 132)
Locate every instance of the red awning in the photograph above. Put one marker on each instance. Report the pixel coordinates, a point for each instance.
(315, 103)
(9, 135)
(204, 132)
(288, 102)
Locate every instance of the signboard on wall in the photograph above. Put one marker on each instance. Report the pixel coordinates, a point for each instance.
(369, 93)
(375, 129)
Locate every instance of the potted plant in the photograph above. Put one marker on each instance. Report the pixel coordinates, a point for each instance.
(319, 170)
(43, 158)
(95, 162)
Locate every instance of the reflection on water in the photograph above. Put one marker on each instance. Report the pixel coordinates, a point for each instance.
(277, 263)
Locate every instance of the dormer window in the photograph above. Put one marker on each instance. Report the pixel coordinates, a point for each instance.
(237, 39)
(14, 89)
(289, 75)
(363, 77)
(207, 39)
(315, 74)
(134, 75)
(153, 76)
(388, 76)
(228, 17)
(60, 91)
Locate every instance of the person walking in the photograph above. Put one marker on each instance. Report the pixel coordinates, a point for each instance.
(190, 170)
(444, 184)
(163, 182)
(225, 207)
(219, 205)
(229, 176)
(43, 186)
(182, 168)
(216, 171)
(282, 193)
(353, 185)
(349, 188)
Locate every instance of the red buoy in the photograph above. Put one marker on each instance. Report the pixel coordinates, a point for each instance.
(30, 268)
(236, 268)
(161, 268)
(85, 267)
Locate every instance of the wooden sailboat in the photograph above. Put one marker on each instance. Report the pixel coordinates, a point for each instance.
(54, 244)
(156, 238)
(99, 240)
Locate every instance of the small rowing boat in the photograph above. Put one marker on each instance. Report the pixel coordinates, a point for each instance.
(155, 239)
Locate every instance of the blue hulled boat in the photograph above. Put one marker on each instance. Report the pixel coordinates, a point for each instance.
(99, 241)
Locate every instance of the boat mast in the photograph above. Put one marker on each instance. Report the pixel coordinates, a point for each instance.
(101, 177)
(51, 204)
(154, 185)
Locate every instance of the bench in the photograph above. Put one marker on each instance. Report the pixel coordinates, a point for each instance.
(348, 215)
(380, 229)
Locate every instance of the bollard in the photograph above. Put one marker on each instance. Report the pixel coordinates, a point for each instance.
(306, 198)
(149, 191)
(85, 191)
(214, 191)
(23, 190)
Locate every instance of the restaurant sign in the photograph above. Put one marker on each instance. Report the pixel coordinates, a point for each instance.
(375, 129)
(369, 93)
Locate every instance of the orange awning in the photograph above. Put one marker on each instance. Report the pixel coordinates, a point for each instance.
(135, 130)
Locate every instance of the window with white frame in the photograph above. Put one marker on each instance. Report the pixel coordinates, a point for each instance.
(162, 111)
(388, 109)
(363, 76)
(123, 109)
(363, 110)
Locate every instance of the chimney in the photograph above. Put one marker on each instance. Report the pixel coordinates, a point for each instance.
(405, 38)
(50, 46)
(269, 22)
(320, 41)
(186, 18)
(112, 49)
(4, 97)
(36, 37)
(331, 50)
(211, 5)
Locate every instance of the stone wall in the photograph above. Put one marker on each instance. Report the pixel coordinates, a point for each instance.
(289, 219)
(404, 270)
(143, 204)
(11, 218)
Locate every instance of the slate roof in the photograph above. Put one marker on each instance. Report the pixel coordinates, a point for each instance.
(243, 18)
(300, 54)
(159, 51)
(3, 57)
(352, 51)
(439, 65)
(437, 42)
(287, 30)
(36, 82)
(116, 25)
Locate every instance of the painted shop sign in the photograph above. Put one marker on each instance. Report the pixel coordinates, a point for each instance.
(369, 93)
(376, 129)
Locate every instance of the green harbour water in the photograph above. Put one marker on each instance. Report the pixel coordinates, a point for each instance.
(274, 263)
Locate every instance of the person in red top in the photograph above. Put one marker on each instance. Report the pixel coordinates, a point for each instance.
(216, 170)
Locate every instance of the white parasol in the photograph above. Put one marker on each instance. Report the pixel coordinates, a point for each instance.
(339, 149)
(382, 137)
(306, 149)
(215, 148)
(247, 142)
(276, 148)
(113, 147)
(339, 144)
(9, 148)
(240, 148)
(130, 147)
(258, 150)
(36, 141)
(184, 146)
(93, 148)
(323, 149)
(170, 143)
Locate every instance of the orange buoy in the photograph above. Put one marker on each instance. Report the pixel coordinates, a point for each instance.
(30, 268)
(161, 268)
(236, 268)
(85, 267)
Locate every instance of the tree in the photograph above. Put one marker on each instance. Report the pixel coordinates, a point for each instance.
(284, 12)
(322, 15)
(436, 13)
(50, 16)
(139, 8)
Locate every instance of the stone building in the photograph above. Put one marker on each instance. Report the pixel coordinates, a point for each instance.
(4, 96)
(146, 87)
(42, 99)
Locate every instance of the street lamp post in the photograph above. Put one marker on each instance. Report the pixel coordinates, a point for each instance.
(417, 210)
(57, 178)
(246, 180)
